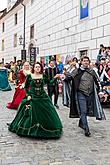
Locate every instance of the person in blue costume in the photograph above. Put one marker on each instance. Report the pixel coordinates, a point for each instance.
(4, 84)
(36, 115)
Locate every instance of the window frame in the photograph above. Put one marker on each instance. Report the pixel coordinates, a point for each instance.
(3, 45)
(15, 40)
(16, 19)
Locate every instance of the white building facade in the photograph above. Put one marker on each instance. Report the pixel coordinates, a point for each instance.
(56, 27)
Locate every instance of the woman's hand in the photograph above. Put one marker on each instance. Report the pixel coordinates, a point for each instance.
(57, 76)
(16, 87)
(63, 76)
(29, 98)
(20, 87)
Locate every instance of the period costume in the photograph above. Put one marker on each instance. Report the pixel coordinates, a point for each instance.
(60, 67)
(17, 72)
(67, 87)
(37, 117)
(4, 84)
(84, 98)
(78, 87)
(11, 76)
(52, 86)
(19, 91)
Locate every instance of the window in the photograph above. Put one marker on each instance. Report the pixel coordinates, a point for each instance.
(16, 18)
(15, 40)
(9, 1)
(37, 50)
(83, 53)
(14, 59)
(3, 46)
(84, 9)
(3, 60)
(32, 32)
(3, 27)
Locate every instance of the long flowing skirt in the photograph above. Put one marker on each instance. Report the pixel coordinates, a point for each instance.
(17, 98)
(4, 84)
(38, 119)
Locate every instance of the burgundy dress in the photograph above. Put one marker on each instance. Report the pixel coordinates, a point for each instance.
(19, 93)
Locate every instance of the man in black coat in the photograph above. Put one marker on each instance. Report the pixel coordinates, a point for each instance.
(52, 87)
(84, 98)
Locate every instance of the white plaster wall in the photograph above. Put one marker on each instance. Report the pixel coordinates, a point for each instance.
(51, 20)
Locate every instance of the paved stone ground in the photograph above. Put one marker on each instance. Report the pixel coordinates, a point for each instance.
(72, 149)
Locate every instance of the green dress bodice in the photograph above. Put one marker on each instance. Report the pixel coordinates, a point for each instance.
(35, 87)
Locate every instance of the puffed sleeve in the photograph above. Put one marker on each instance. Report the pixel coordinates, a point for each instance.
(68, 77)
(22, 77)
(27, 85)
(46, 79)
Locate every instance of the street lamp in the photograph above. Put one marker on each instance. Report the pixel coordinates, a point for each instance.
(22, 39)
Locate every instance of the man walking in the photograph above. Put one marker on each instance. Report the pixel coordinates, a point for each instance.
(52, 87)
(84, 98)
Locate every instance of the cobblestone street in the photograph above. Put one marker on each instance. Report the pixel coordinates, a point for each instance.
(72, 149)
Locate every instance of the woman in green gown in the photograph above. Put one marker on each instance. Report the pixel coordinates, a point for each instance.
(36, 115)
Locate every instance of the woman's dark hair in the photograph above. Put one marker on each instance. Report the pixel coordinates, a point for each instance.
(101, 45)
(51, 60)
(100, 72)
(40, 66)
(99, 66)
(75, 58)
(100, 51)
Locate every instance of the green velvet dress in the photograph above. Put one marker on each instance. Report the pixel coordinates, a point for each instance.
(38, 117)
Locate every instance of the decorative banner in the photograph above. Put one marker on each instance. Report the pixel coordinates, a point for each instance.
(84, 9)
(57, 58)
(32, 55)
(23, 54)
(62, 58)
(46, 60)
(68, 58)
(37, 59)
